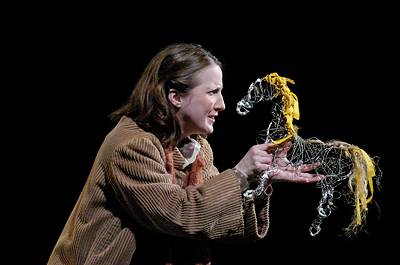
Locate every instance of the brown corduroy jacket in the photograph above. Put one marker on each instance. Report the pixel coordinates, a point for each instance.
(131, 212)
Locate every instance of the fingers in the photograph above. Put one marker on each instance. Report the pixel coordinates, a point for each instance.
(270, 147)
(281, 162)
(256, 160)
(309, 167)
(282, 147)
(301, 168)
(292, 175)
(287, 144)
(267, 160)
(306, 178)
(267, 147)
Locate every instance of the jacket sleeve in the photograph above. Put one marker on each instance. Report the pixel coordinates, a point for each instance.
(144, 188)
(255, 210)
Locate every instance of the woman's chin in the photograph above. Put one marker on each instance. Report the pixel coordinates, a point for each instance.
(204, 130)
(207, 130)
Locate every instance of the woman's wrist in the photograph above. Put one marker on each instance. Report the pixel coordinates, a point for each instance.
(242, 178)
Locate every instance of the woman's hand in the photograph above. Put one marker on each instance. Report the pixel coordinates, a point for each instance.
(272, 159)
(281, 171)
(298, 174)
(258, 159)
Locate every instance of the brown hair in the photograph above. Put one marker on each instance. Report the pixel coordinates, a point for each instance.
(171, 68)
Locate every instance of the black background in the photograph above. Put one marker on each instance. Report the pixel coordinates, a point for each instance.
(75, 66)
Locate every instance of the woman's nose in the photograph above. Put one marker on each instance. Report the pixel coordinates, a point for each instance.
(220, 106)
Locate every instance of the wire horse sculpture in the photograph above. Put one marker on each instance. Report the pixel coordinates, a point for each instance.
(339, 161)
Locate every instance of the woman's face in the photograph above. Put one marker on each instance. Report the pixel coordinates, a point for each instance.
(200, 106)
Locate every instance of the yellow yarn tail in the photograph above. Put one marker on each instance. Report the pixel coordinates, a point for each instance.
(362, 179)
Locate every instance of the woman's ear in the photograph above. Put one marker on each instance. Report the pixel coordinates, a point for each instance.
(175, 98)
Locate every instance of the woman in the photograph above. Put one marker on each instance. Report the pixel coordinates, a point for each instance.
(153, 195)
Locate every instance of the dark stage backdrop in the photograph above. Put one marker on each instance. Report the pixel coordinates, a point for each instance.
(88, 69)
